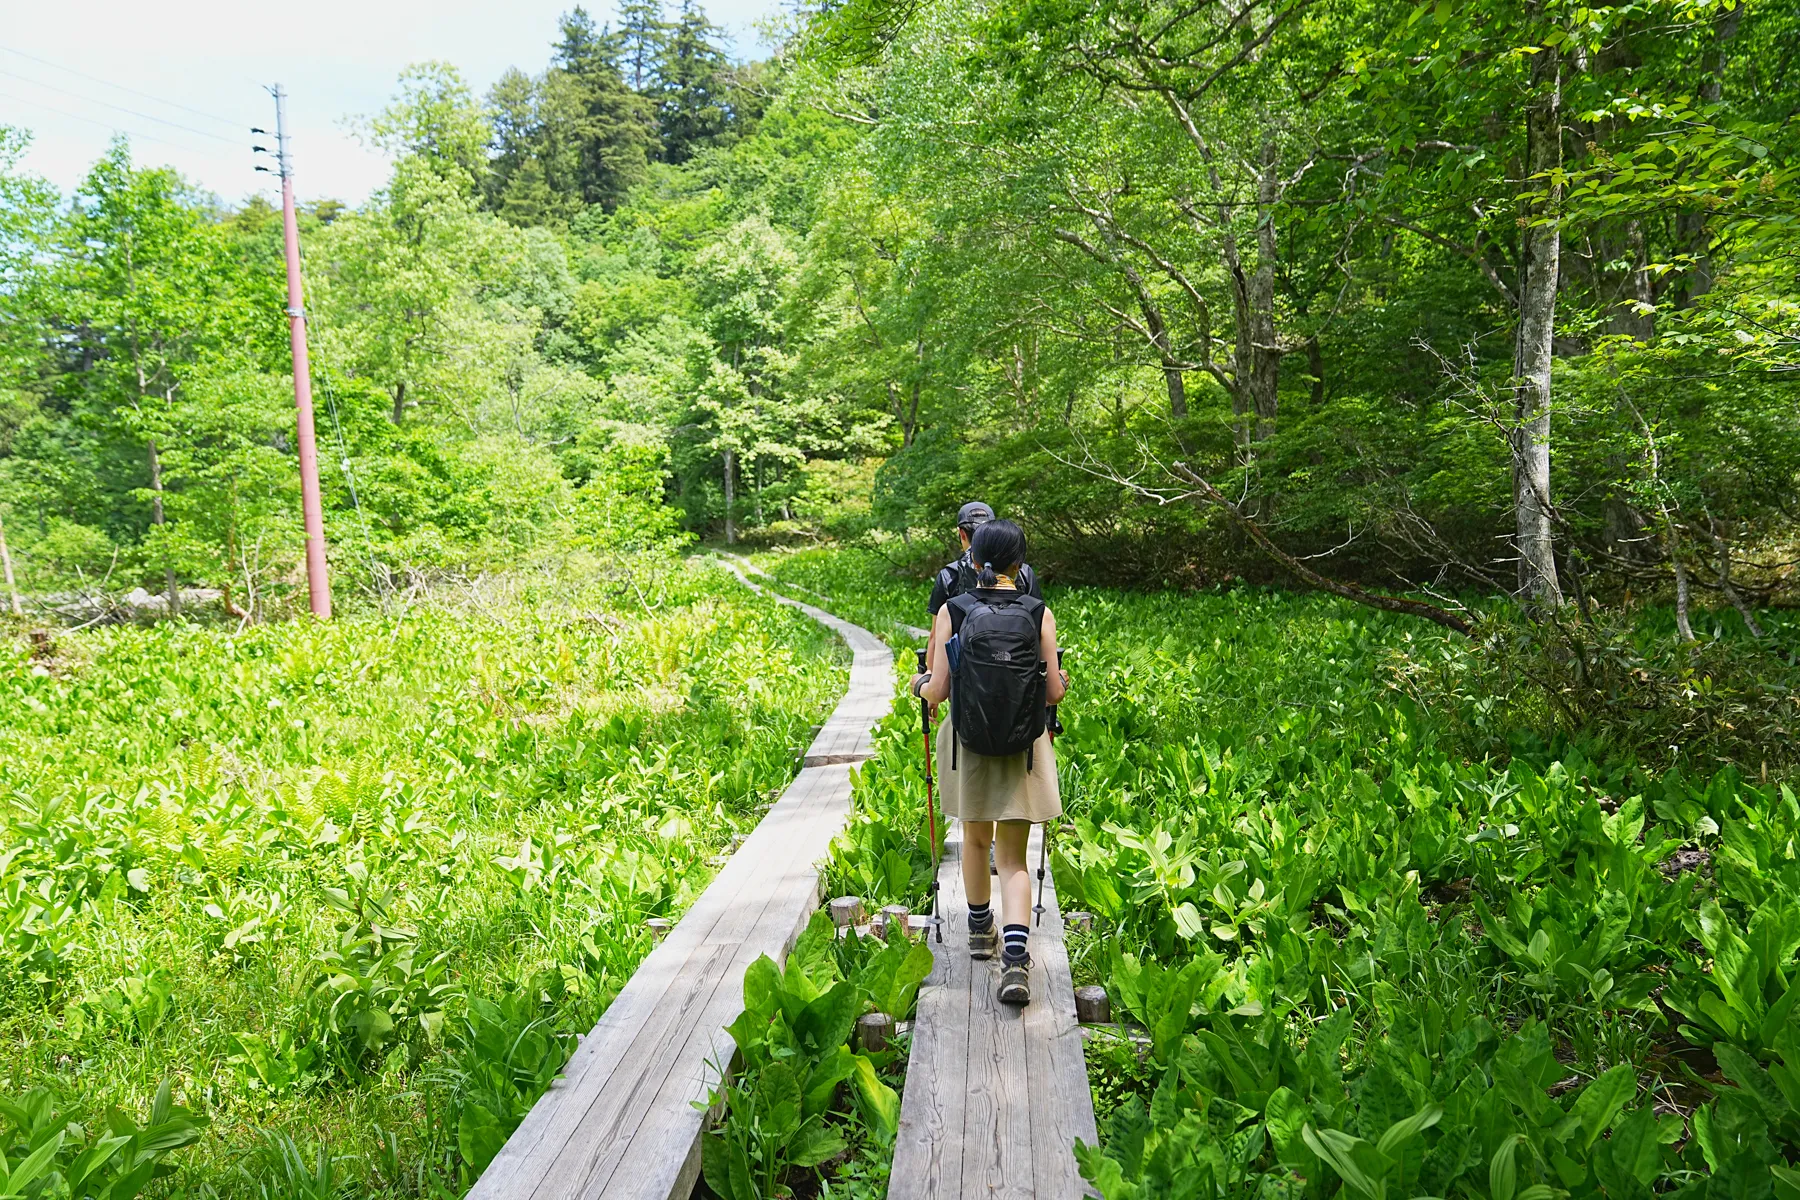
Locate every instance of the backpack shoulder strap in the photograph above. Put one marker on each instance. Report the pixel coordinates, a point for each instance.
(959, 606)
(1034, 607)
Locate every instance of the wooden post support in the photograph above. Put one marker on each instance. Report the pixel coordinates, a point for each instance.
(893, 916)
(874, 1031)
(846, 911)
(1067, 827)
(659, 927)
(1092, 1006)
(1078, 922)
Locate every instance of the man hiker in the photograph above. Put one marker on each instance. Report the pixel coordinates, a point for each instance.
(959, 577)
(991, 656)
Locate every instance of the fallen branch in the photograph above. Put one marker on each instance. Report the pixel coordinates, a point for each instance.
(1349, 591)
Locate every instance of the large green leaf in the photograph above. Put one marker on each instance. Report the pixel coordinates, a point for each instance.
(1600, 1102)
(814, 1143)
(880, 1102)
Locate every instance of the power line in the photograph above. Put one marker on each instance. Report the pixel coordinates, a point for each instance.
(235, 124)
(236, 141)
(112, 125)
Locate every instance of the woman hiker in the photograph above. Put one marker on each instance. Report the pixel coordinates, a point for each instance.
(992, 656)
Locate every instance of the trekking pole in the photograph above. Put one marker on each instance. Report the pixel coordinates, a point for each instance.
(1054, 726)
(937, 920)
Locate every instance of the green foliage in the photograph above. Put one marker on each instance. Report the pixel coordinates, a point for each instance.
(1624, 687)
(781, 1111)
(381, 872)
(1356, 960)
(46, 1153)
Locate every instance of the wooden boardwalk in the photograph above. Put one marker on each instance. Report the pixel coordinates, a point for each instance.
(995, 1096)
(746, 567)
(621, 1122)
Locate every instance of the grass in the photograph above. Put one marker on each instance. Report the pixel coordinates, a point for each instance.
(351, 890)
(333, 882)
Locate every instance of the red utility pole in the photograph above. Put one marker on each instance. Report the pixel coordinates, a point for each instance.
(318, 584)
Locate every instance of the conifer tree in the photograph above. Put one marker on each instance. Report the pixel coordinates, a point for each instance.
(609, 129)
(693, 110)
(643, 37)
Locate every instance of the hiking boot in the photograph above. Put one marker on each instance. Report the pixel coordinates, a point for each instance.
(1015, 980)
(983, 941)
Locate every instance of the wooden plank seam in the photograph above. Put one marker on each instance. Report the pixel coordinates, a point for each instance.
(620, 1121)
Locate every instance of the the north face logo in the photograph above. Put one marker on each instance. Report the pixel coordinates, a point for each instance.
(1003, 656)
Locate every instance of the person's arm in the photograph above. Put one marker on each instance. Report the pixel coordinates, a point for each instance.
(933, 687)
(1056, 684)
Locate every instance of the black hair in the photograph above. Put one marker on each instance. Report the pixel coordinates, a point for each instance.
(998, 546)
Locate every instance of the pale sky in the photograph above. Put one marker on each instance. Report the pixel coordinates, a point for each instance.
(184, 78)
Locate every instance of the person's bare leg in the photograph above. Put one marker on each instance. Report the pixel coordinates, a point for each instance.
(984, 937)
(1015, 876)
(977, 883)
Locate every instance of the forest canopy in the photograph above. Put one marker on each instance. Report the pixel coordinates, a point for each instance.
(1495, 296)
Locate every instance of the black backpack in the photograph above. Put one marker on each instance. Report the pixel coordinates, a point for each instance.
(966, 580)
(997, 673)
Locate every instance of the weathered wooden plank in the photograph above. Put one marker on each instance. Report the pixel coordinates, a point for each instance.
(997, 1135)
(689, 1014)
(644, 1161)
(644, 1005)
(620, 1121)
(928, 1150)
(997, 1149)
(1062, 1104)
(746, 567)
(1010, 1108)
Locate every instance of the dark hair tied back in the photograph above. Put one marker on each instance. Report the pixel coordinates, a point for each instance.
(997, 548)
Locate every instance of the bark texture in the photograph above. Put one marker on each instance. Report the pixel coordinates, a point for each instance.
(156, 517)
(730, 497)
(12, 585)
(1534, 536)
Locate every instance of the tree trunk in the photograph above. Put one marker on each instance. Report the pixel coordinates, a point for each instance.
(1691, 232)
(1622, 526)
(1720, 544)
(1535, 538)
(399, 401)
(1683, 628)
(12, 585)
(1173, 378)
(1256, 361)
(730, 496)
(1315, 367)
(156, 518)
(1265, 372)
(1635, 316)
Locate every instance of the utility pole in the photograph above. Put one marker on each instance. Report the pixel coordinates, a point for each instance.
(318, 583)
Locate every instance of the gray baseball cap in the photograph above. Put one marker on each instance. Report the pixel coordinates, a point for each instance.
(972, 514)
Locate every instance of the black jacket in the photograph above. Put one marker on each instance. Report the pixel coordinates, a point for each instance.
(959, 577)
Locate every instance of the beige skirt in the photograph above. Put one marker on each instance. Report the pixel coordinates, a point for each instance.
(996, 789)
